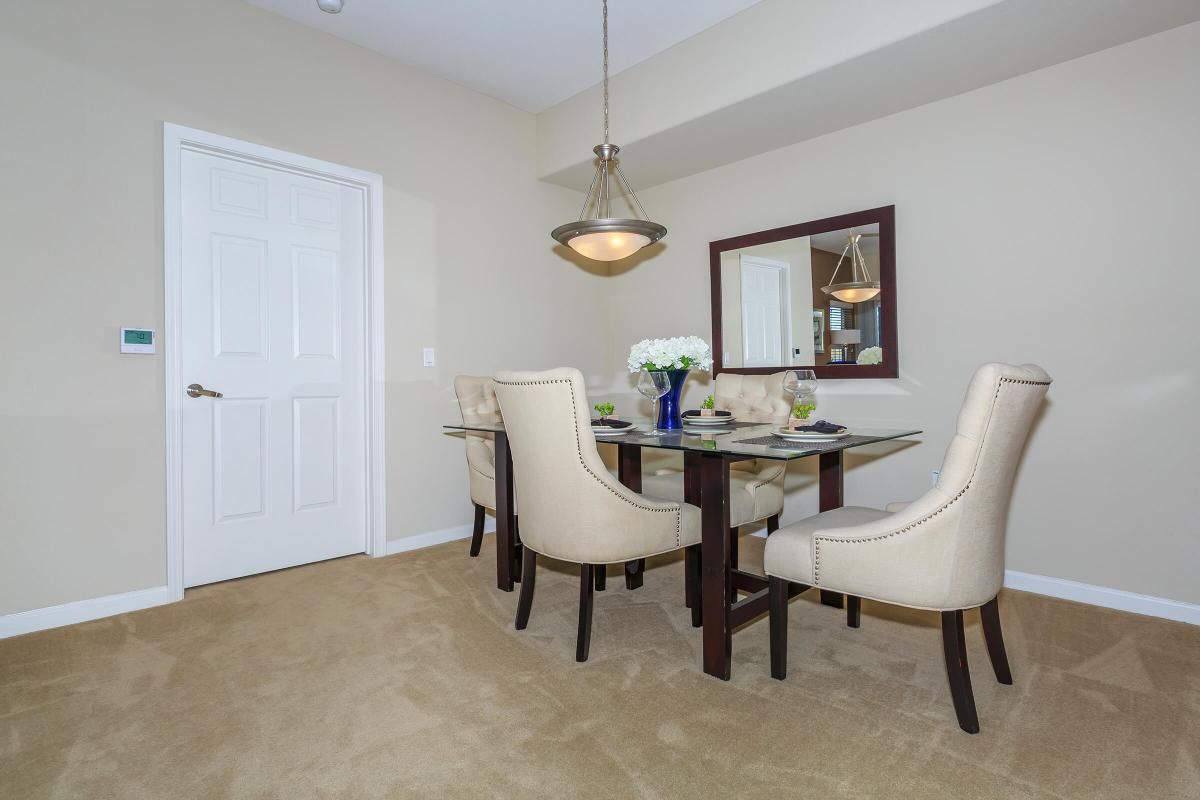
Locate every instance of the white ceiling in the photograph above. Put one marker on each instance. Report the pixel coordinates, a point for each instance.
(835, 241)
(663, 139)
(529, 53)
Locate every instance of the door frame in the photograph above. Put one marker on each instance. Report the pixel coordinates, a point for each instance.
(176, 140)
(785, 302)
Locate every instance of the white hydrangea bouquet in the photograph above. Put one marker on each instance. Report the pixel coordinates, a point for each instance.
(871, 355)
(679, 352)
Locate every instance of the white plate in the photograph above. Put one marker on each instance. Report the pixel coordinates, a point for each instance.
(809, 436)
(603, 432)
(707, 420)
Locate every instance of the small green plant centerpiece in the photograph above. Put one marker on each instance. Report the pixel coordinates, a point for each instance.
(605, 410)
(801, 412)
(708, 407)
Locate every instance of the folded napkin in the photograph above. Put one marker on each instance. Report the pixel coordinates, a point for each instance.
(610, 423)
(696, 413)
(821, 426)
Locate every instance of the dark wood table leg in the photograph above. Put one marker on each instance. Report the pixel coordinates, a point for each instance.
(506, 539)
(629, 470)
(693, 495)
(831, 498)
(518, 558)
(715, 577)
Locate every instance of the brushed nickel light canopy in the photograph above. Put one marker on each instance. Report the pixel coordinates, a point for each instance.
(601, 236)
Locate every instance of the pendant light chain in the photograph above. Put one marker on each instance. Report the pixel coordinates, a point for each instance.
(603, 237)
(606, 71)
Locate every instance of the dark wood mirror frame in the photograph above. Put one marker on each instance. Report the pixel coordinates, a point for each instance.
(885, 217)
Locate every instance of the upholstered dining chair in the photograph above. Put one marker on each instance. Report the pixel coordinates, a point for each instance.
(943, 552)
(477, 403)
(572, 508)
(755, 486)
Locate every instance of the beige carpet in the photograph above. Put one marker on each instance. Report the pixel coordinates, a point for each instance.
(403, 677)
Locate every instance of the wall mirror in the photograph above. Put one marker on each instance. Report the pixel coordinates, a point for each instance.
(820, 294)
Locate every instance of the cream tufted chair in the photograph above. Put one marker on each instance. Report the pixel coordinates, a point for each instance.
(756, 486)
(572, 508)
(943, 551)
(477, 403)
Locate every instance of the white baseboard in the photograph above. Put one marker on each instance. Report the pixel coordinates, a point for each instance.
(40, 619)
(431, 538)
(98, 607)
(1094, 595)
(1102, 596)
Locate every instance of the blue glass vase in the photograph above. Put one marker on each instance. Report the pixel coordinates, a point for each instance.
(668, 405)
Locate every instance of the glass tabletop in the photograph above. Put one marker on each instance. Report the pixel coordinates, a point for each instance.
(732, 441)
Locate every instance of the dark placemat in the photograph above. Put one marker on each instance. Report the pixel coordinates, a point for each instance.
(784, 444)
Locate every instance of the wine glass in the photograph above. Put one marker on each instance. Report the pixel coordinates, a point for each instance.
(653, 384)
(802, 385)
(800, 381)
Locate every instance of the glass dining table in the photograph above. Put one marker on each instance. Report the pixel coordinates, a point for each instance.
(706, 459)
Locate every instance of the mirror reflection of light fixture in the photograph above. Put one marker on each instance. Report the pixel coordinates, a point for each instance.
(860, 287)
(603, 237)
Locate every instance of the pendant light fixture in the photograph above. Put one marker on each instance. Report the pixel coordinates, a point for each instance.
(860, 287)
(597, 234)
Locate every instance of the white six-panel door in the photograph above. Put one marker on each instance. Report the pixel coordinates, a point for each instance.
(764, 311)
(273, 318)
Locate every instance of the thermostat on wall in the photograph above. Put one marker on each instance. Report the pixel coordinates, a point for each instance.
(137, 340)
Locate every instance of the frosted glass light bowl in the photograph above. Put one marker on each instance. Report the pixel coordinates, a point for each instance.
(608, 239)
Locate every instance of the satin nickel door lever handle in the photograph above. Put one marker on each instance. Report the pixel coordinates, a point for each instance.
(196, 390)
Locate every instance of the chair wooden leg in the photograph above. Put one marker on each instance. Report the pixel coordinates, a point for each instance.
(634, 572)
(691, 581)
(777, 591)
(835, 599)
(990, 614)
(525, 601)
(584, 639)
(733, 548)
(853, 611)
(954, 647)
(601, 573)
(477, 532)
(772, 524)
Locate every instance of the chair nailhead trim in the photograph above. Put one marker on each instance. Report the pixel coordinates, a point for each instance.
(817, 540)
(579, 451)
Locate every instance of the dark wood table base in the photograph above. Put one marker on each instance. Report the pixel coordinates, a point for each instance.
(508, 570)
(706, 485)
(831, 490)
(629, 472)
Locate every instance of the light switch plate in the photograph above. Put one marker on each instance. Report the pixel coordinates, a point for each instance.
(137, 340)
(427, 359)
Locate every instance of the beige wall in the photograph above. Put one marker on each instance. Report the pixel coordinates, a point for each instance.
(1091, 164)
(85, 87)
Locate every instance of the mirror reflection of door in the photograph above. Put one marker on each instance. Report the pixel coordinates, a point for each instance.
(766, 315)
